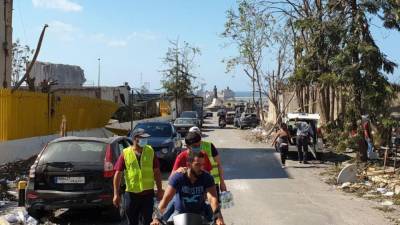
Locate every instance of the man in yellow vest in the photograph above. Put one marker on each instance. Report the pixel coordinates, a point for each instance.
(142, 170)
(217, 171)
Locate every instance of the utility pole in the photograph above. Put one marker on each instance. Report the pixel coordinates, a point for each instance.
(98, 76)
(6, 43)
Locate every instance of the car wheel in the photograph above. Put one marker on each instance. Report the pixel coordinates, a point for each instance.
(241, 126)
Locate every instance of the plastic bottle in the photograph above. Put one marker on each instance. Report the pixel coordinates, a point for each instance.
(226, 200)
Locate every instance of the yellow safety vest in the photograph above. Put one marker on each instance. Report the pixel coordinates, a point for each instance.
(137, 178)
(206, 146)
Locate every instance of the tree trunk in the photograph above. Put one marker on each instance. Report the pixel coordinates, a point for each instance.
(307, 99)
(332, 104)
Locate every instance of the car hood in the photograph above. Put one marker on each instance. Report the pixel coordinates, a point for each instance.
(159, 141)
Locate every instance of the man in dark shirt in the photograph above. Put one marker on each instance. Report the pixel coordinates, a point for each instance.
(190, 189)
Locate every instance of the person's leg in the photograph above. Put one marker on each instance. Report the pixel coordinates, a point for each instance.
(147, 209)
(284, 151)
(305, 150)
(218, 192)
(299, 148)
(131, 208)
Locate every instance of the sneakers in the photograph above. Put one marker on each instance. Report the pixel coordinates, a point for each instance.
(283, 166)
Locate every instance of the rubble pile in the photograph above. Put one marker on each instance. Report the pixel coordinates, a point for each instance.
(10, 174)
(374, 183)
(260, 135)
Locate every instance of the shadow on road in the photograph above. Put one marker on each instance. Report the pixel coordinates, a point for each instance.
(84, 217)
(252, 163)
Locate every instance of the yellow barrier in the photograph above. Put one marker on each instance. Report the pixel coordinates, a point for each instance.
(26, 114)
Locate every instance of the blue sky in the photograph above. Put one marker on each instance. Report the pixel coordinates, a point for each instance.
(131, 37)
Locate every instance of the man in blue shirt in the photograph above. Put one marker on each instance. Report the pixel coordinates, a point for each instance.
(191, 189)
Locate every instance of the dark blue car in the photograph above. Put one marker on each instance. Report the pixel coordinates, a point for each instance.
(164, 139)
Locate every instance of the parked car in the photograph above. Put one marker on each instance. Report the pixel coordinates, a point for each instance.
(248, 120)
(230, 116)
(75, 173)
(164, 139)
(183, 125)
(192, 114)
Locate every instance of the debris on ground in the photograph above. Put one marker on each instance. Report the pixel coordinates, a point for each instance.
(373, 182)
(260, 135)
(18, 216)
(10, 174)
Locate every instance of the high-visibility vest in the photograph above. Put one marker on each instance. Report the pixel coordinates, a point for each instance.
(206, 146)
(138, 179)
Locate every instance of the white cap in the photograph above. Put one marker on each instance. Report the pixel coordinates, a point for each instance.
(194, 129)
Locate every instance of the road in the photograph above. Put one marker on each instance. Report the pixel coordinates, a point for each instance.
(264, 193)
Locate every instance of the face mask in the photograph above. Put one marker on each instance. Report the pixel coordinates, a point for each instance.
(142, 142)
(195, 149)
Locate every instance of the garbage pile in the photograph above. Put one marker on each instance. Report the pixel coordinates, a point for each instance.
(260, 135)
(374, 183)
(10, 175)
(18, 216)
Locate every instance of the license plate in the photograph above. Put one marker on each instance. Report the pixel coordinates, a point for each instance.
(70, 180)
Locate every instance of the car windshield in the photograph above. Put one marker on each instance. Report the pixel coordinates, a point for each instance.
(74, 151)
(156, 129)
(189, 115)
(185, 121)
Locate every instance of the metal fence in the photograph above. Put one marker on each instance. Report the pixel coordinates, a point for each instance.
(26, 114)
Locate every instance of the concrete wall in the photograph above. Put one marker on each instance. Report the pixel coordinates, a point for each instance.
(25, 148)
(112, 94)
(65, 75)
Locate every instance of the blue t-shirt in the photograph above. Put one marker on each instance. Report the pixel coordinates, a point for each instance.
(190, 197)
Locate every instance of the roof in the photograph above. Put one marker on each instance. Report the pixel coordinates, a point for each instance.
(73, 138)
(304, 116)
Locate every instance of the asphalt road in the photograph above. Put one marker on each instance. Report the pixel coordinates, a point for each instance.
(264, 193)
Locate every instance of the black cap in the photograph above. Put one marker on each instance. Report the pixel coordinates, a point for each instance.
(192, 137)
(140, 133)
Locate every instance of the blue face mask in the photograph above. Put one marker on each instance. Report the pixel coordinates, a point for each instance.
(142, 142)
(195, 149)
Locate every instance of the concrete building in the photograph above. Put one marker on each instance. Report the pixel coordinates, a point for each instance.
(66, 76)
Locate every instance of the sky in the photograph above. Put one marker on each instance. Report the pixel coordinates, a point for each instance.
(132, 36)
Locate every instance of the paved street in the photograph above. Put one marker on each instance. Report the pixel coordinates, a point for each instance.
(264, 193)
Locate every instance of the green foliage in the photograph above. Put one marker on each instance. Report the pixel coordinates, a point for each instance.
(21, 58)
(179, 76)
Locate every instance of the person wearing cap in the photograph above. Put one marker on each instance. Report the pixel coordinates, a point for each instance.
(217, 171)
(193, 143)
(142, 171)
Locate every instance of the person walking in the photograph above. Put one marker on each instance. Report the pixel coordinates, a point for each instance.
(141, 170)
(282, 140)
(304, 132)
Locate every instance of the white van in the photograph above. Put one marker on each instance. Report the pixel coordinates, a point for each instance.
(312, 119)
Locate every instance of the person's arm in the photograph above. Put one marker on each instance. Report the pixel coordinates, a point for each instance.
(221, 173)
(158, 180)
(212, 198)
(119, 168)
(117, 185)
(169, 194)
